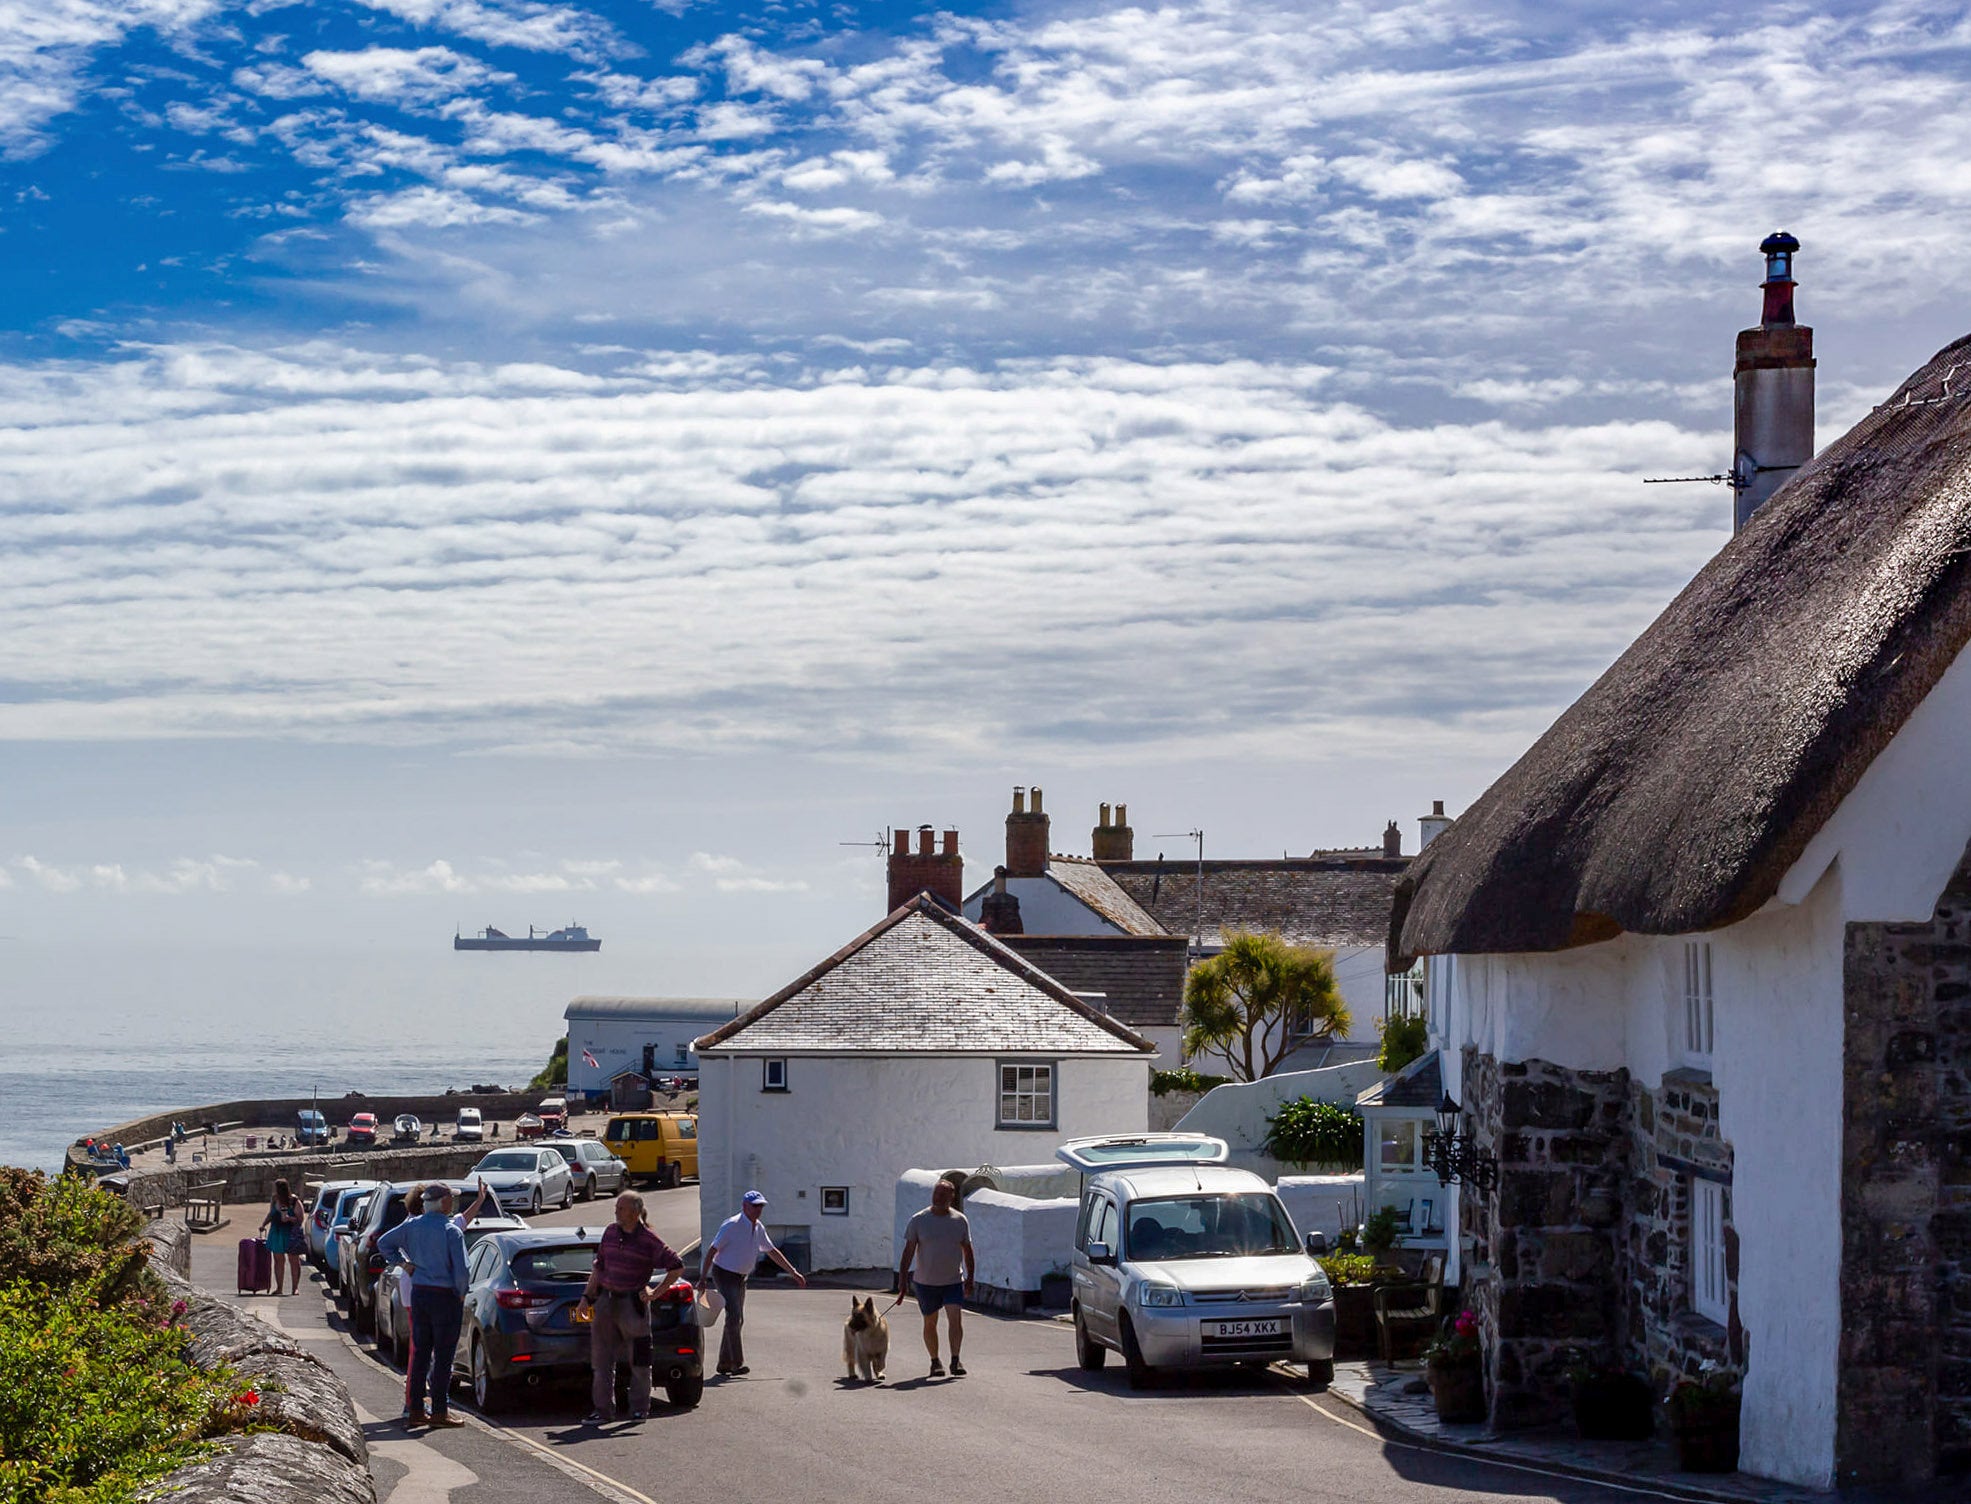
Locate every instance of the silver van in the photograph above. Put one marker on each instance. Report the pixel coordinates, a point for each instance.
(1182, 1262)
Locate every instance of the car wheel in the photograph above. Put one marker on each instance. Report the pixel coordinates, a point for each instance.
(685, 1392)
(1089, 1353)
(1141, 1375)
(567, 1194)
(673, 1175)
(488, 1393)
(361, 1319)
(1320, 1373)
(534, 1209)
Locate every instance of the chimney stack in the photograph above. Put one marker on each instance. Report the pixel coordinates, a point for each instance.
(1026, 837)
(1433, 824)
(927, 869)
(999, 911)
(1392, 840)
(1772, 390)
(1113, 841)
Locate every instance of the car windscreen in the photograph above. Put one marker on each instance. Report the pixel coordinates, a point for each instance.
(1221, 1226)
(514, 1161)
(560, 1265)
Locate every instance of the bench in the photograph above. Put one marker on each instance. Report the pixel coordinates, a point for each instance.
(202, 1206)
(1405, 1308)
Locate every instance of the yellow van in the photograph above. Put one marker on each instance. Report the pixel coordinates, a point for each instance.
(656, 1146)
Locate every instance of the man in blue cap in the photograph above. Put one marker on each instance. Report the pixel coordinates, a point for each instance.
(734, 1252)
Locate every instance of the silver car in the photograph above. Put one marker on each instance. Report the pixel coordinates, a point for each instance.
(526, 1178)
(597, 1172)
(1181, 1262)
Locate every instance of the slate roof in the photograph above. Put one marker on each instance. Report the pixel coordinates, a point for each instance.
(1418, 1084)
(1674, 795)
(1094, 886)
(1308, 900)
(925, 981)
(1141, 977)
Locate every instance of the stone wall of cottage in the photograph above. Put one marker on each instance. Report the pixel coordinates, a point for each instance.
(1904, 1395)
(1547, 1248)
(1674, 1139)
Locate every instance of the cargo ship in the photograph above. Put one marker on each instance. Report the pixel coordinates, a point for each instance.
(574, 937)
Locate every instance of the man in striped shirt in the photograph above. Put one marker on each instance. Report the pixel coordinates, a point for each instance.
(617, 1299)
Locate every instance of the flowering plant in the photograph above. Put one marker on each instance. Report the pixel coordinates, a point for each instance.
(1456, 1343)
(1705, 1397)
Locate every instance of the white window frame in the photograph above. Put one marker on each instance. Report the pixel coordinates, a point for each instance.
(1700, 1014)
(834, 1201)
(1710, 1209)
(1030, 1091)
(773, 1074)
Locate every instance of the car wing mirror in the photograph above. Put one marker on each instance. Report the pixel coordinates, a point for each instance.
(1317, 1245)
(1100, 1253)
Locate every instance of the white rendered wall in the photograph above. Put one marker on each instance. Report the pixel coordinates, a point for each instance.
(1237, 1112)
(1046, 908)
(617, 1044)
(861, 1121)
(1017, 1240)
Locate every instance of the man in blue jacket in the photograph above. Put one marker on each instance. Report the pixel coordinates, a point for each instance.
(435, 1251)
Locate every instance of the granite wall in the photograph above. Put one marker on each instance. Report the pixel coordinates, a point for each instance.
(1904, 1388)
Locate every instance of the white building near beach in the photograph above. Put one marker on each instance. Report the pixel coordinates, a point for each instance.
(649, 1035)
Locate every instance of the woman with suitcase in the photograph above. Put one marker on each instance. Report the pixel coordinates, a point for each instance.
(285, 1235)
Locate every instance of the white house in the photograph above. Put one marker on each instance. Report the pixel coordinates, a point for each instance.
(649, 1035)
(922, 1041)
(1700, 969)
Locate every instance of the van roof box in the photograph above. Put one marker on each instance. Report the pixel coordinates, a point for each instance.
(1135, 1151)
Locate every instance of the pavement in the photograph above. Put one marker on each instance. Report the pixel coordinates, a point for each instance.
(1026, 1420)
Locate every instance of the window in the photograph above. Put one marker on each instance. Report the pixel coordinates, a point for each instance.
(1101, 1223)
(834, 1201)
(683, 1055)
(1396, 1144)
(1710, 1209)
(687, 1128)
(1026, 1096)
(773, 1075)
(1699, 1012)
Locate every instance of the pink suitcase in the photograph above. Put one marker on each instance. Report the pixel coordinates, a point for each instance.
(256, 1266)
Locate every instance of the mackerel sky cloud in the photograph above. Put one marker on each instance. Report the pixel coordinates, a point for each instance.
(874, 387)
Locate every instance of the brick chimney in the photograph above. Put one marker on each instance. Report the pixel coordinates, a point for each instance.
(1113, 841)
(1026, 837)
(999, 911)
(940, 872)
(1392, 840)
(1432, 825)
(1772, 410)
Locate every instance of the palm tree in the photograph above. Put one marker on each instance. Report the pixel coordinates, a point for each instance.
(1258, 1000)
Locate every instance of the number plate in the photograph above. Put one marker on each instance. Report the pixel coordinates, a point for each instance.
(1271, 1327)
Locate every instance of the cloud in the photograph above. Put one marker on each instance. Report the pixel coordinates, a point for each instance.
(731, 875)
(214, 874)
(403, 77)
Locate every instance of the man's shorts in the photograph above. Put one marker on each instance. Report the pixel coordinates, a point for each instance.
(932, 1299)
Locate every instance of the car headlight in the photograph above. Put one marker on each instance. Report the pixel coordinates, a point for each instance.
(1159, 1295)
(1314, 1290)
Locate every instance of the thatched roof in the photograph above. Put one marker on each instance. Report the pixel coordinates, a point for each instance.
(1675, 793)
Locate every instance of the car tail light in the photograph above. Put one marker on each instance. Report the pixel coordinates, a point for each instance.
(375, 1263)
(521, 1358)
(521, 1300)
(689, 1352)
(681, 1292)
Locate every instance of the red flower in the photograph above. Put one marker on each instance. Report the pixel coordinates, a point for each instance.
(246, 1397)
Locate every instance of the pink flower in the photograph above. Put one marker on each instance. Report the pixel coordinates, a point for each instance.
(1466, 1325)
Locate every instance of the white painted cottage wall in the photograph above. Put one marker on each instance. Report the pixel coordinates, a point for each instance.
(860, 1121)
(617, 1044)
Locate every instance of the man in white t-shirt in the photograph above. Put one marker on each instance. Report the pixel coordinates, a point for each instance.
(938, 1241)
(733, 1254)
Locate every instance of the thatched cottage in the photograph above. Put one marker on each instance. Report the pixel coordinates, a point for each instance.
(1701, 976)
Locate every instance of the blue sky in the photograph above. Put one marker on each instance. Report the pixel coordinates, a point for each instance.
(461, 456)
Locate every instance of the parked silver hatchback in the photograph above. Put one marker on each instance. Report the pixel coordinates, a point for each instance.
(1182, 1262)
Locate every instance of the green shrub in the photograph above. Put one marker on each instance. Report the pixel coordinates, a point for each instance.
(1381, 1229)
(1163, 1083)
(1307, 1132)
(63, 1235)
(555, 1072)
(1348, 1268)
(1403, 1040)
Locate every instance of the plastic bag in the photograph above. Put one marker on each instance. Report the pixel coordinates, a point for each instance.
(710, 1305)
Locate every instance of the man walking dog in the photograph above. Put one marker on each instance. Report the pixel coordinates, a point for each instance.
(617, 1300)
(938, 1241)
(734, 1252)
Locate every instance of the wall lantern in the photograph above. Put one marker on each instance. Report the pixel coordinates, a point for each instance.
(1453, 1157)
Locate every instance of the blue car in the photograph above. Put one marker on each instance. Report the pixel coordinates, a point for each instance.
(340, 1201)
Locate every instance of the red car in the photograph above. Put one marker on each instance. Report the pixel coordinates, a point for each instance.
(362, 1129)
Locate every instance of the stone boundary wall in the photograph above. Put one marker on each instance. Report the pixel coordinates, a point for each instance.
(277, 1113)
(316, 1456)
(253, 1179)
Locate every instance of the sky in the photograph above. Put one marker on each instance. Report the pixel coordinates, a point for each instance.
(475, 462)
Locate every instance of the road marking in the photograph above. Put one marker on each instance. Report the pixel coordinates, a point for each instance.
(430, 1477)
(1501, 1462)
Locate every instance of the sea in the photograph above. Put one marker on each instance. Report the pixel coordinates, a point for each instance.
(92, 1037)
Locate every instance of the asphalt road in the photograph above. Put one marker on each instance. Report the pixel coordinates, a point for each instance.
(1025, 1421)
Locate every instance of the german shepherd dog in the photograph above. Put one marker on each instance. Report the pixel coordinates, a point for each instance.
(865, 1341)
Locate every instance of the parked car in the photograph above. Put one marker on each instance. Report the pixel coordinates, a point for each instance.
(1182, 1262)
(471, 1126)
(348, 1210)
(661, 1147)
(520, 1327)
(596, 1170)
(310, 1128)
(321, 1216)
(361, 1263)
(407, 1129)
(393, 1322)
(526, 1178)
(362, 1129)
(553, 1113)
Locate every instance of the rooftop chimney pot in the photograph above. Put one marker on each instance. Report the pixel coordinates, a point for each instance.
(1392, 840)
(1019, 799)
(951, 843)
(1026, 837)
(926, 870)
(1113, 840)
(1772, 390)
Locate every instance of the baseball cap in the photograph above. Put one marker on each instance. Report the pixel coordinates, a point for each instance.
(753, 1198)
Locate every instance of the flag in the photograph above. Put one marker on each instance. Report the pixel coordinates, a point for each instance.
(590, 1061)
